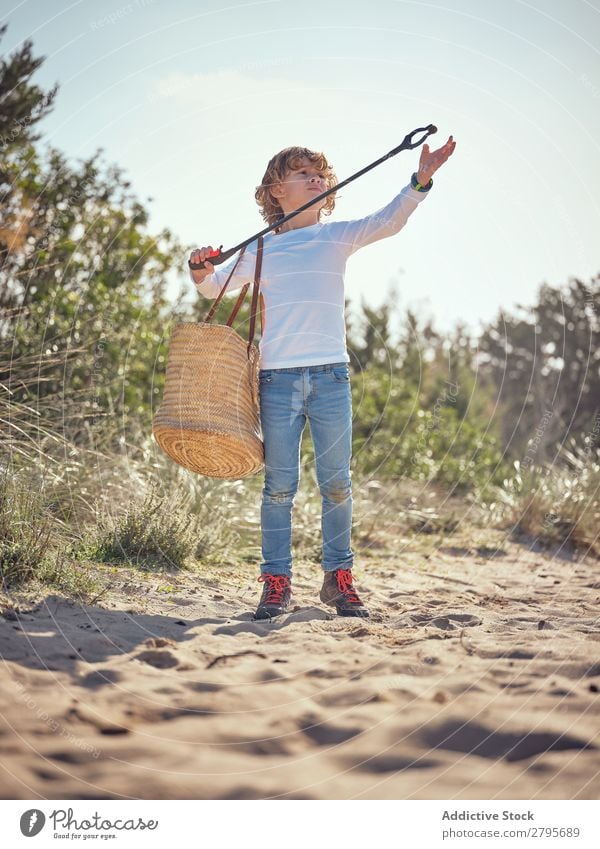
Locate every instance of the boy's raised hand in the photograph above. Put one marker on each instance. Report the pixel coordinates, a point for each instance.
(430, 162)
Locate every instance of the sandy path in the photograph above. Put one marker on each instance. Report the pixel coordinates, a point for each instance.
(474, 679)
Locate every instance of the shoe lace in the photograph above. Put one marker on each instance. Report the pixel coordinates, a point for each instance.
(344, 582)
(276, 587)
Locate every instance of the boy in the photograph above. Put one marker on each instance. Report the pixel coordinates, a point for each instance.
(304, 373)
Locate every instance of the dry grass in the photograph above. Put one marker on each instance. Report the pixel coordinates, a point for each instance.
(74, 516)
(553, 504)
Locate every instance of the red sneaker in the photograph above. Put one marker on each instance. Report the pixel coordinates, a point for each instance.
(337, 591)
(276, 596)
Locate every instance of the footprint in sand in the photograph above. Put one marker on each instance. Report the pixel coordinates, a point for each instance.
(474, 738)
(450, 622)
(392, 763)
(204, 687)
(99, 678)
(325, 733)
(158, 659)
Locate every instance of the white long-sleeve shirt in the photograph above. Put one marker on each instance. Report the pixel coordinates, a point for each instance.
(302, 283)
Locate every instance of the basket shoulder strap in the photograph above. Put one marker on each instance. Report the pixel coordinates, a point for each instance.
(240, 300)
(257, 271)
(222, 292)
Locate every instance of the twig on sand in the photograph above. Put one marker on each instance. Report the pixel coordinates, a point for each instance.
(102, 592)
(237, 654)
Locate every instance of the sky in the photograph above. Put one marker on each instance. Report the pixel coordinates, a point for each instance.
(192, 99)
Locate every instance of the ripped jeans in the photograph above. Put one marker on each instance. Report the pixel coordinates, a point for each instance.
(289, 397)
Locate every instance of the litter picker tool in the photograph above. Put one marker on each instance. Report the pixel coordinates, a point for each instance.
(219, 256)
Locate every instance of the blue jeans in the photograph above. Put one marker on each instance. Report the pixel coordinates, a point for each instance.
(288, 397)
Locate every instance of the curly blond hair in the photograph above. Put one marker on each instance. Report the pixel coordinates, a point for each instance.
(287, 159)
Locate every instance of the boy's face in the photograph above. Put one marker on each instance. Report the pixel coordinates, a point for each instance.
(300, 185)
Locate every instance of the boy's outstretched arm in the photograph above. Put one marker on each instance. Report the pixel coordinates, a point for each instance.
(391, 218)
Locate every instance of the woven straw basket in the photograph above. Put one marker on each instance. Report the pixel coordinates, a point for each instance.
(209, 417)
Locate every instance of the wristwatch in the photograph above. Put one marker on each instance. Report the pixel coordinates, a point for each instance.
(416, 185)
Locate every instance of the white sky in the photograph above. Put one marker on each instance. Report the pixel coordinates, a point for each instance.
(193, 99)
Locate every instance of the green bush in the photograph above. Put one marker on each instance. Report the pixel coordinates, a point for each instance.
(156, 531)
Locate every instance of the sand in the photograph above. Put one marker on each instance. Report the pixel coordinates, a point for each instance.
(477, 677)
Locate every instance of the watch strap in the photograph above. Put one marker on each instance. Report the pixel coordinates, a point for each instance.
(416, 185)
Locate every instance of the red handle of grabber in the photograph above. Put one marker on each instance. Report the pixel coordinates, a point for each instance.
(197, 265)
